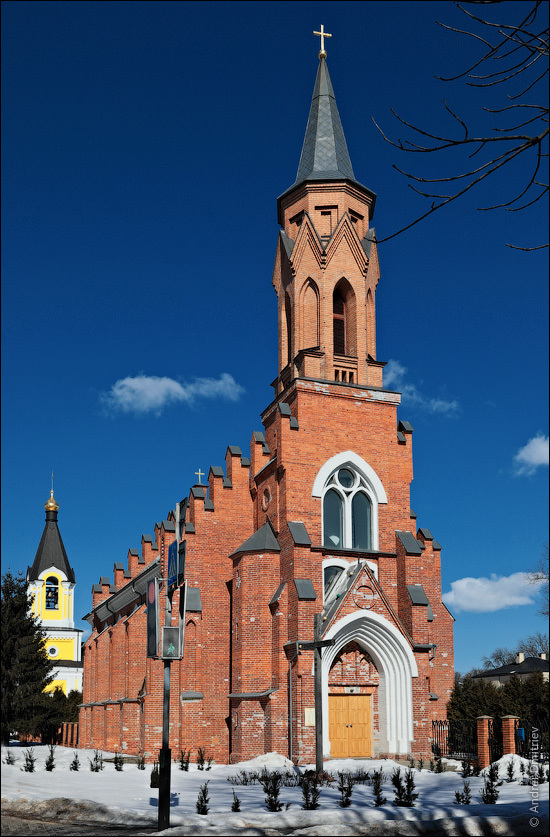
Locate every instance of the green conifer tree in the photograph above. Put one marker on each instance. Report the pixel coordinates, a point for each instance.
(25, 666)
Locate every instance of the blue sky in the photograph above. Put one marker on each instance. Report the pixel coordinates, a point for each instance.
(143, 148)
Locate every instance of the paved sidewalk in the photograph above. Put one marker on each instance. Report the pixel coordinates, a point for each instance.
(21, 827)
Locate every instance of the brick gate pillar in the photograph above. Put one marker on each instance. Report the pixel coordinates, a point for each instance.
(509, 733)
(483, 754)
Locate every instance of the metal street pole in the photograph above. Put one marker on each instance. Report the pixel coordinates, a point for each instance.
(317, 625)
(165, 755)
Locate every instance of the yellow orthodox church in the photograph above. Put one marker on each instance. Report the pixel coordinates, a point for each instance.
(51, 583)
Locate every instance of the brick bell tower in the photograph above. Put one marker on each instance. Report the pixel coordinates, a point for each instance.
(335, 537)
(326, 269)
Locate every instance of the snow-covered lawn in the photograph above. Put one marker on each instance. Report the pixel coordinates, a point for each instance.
(126, 797)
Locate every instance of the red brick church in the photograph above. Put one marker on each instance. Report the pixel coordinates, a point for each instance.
(316, 521)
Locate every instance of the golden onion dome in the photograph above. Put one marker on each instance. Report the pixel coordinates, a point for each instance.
(52, 504)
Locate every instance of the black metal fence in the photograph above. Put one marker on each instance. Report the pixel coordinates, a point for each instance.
(496, 747)
(455, 739)
(532, 739)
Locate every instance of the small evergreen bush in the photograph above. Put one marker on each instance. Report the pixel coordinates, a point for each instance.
(271, 784)
(236, 804)
(466, 769)
(439, 768)
(420, 763)
(75, 764)
(30, 760)
(203, 799)
(50, 761)
(118, 762)
(183, 759)
(310, 792)
(345, 786)
(10, 758)
(154, 783)
(96, 764)
(377, 779)
(489, 794)
(543, 775)
(510, 771)
(404, 796)
(141, 762)
(465, 797)
(493, 774)
(201, 756)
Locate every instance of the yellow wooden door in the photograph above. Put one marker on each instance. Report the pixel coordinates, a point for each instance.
(350, 726)
(359, 719)
(338, 726)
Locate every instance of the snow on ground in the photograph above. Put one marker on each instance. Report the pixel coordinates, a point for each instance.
(126, 797)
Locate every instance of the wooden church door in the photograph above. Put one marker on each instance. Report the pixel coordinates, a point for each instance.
(350, 726)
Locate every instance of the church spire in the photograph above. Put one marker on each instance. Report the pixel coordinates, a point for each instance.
(51, 550)
(325, 156)
(325, 153)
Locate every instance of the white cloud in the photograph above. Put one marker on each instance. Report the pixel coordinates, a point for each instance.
(531, 456)
(151, 394)
(484, 595)
(394, 378)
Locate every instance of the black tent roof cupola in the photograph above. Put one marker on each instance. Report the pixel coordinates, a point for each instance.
(51, 551)
(325, 155)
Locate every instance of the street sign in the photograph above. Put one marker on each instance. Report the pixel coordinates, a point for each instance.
(172, 564)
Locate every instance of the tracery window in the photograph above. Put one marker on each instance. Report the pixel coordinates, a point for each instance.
(347, 511)
(52, 593)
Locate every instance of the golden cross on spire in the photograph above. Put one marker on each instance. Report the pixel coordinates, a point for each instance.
(52, 481)
(200, 474)
(323, 35)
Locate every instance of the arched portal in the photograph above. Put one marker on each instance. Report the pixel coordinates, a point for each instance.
(396, 667)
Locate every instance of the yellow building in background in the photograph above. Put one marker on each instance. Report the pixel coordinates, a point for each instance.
(51, 582)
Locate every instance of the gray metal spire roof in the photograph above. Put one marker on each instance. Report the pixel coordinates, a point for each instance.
(324, 153)
(51, 551)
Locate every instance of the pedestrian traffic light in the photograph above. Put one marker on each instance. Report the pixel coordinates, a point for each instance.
(152, 617)
(170, 645)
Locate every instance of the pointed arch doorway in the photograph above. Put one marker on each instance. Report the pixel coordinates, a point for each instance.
(389, 729)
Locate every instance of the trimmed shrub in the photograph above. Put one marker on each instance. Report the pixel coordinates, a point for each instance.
(203, 799)
(404, 796)
(377, 779)
(30, 760)
(345, 786)
(50, 761)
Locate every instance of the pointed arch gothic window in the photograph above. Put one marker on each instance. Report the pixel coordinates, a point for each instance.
(339, 323)
(52, 593)
(347, 511)
(288, 324)
(344, 319)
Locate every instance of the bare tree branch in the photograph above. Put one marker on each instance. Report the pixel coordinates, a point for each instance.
(527, 46)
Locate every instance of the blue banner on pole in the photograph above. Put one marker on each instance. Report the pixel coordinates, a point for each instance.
(172, 564)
